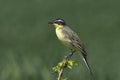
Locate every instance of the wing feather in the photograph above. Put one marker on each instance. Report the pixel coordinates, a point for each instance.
(75, 41)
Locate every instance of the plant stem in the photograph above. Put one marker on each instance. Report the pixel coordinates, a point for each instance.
(60, 74)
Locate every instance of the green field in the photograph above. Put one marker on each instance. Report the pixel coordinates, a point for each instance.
(29, 47)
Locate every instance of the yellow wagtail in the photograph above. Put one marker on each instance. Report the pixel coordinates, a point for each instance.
(70, 39)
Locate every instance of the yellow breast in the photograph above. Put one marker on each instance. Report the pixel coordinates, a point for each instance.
(63, 37)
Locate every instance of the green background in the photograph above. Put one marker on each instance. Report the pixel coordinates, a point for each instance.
(29, 47)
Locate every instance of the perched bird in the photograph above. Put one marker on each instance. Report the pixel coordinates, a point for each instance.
(70, 39)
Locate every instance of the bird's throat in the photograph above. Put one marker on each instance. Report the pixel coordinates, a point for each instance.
(57, 26)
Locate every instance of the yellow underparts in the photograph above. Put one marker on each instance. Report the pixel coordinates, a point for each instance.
(62, 36)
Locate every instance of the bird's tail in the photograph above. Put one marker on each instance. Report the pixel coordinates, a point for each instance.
(84, 56)
(87, 65)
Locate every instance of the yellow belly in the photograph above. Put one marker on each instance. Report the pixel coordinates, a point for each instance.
(63, 38)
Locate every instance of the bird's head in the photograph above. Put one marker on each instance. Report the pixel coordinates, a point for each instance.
(58, 23)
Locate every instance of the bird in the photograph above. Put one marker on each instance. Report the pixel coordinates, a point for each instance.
(70, 39)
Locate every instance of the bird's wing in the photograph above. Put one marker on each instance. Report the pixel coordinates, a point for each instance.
(75, 41)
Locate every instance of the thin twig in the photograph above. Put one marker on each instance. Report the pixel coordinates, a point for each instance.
(60, 74)
(60, 68)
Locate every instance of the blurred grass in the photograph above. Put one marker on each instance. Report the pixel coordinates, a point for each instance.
(29, 47)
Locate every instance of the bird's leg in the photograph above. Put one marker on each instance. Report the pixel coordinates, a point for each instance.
(70, 54)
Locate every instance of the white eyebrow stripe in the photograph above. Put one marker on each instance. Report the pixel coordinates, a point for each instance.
(60, 20)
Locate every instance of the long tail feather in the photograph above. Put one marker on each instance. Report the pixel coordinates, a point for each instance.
(87, 65)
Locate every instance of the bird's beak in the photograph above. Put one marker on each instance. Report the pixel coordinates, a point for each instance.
(50, 22)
